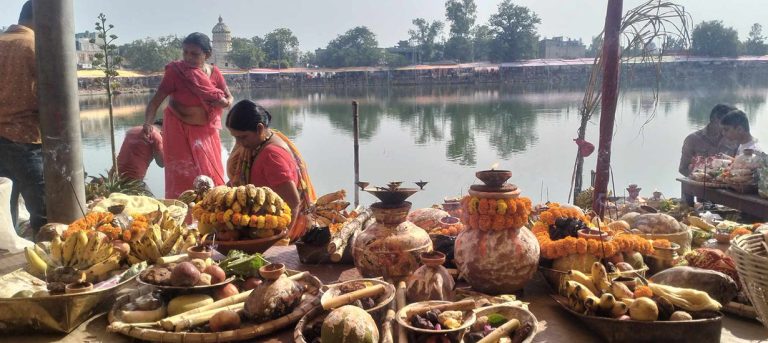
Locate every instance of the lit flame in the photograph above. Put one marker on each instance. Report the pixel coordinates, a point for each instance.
(494, 166)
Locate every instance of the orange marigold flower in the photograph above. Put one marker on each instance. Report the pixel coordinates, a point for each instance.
(498, 222)
(643, 291)
(740, 231)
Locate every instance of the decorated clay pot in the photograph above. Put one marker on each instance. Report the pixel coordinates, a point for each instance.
(391, 246)
(497, 262)
(431, 281)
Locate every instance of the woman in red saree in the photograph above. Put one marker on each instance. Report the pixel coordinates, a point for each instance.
(192, 119)
(265, 157)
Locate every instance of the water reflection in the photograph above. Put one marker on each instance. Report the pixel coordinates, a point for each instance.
(445, 132)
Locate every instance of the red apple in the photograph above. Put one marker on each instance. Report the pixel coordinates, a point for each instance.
(217, 274)
(225, 291)
(251, 283)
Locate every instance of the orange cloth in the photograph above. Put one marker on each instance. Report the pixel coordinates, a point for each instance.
(19, 118)
(136, 153)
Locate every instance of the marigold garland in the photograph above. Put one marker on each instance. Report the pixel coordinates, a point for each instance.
(242, 220)
(102, 222)
(739, 231)
(495, 214)
(550, 249)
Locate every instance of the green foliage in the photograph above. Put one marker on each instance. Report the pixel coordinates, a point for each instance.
(356, 47)
(150, 55)
(674, 44)
(246, 53)
(102, 186)
(425, 37)
(108, 61)
(459, 48)
(482, 37)
(281, 47)
(395, 60)
(461, 14)
(755, 44)
(515, 32)
(711, 38)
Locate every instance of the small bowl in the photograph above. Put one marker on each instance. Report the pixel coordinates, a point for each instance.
(272, 271)
(382, 302)
(512, 312)
(432, 258)
(494, 178)
(78, 287)
(199, 251)
(454, 335)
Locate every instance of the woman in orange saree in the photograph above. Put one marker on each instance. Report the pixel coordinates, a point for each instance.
(267, 158)
(192, 119)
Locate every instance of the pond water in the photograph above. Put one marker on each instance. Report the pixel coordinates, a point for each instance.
(444, 135)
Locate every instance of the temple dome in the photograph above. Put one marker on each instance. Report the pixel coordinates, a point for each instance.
(221, 27)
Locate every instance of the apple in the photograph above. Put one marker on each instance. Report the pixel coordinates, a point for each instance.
(217, 274)
(225, 291)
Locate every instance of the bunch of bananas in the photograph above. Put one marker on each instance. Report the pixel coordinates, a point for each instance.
(329, 209)
(91, 252)
(594, 294)
(201, 185)
(161, 239)
(243, 206)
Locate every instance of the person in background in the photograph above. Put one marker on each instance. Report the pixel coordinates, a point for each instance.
(736, 128)
(265, 157)
(137, 152)
(708, 141)
(21, 155)
(192, 119)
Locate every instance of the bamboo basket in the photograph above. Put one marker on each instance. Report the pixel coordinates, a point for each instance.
(750, 253)
(248, 331)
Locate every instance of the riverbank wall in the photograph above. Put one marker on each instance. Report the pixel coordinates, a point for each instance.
(675, 70)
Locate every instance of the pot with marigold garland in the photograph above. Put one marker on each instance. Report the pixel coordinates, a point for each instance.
(495, 252)
(569, 240)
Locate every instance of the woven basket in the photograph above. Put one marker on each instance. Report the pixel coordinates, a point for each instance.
(751, 256)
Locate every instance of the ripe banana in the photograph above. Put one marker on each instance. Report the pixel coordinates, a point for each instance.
(68, 250)
(252, 193)
(229, 198)
(600, 277)
(621, 291)
(98, 270)
(37, 266)
(607, 302)
(56, 250)
(583, 279)
(242, 196)
(327, 198)
(619, 309)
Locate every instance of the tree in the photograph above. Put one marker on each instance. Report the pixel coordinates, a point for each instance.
(461, 14)
(595, 46)
(281, 48)
(755, 44)
(245, 53)
(424, 36)
(356, 47)
(711, 38)
(673, 44)
(108, 61)
(515, 32)
(151, 55)
(482, 37)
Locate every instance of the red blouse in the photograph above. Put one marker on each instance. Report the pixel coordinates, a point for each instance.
(274, 166)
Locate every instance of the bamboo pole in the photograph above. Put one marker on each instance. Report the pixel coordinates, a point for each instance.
(356, 132)
(610, 91)
(402, 335)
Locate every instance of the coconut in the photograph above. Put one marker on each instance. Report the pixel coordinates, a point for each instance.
(349, 324)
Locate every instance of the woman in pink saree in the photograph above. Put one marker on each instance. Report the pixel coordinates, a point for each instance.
(192, 118)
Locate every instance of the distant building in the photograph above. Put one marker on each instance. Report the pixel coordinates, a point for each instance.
(222, 45)
(557, 47)
(85, 50)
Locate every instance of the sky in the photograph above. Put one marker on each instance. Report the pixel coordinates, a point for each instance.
(316, 22)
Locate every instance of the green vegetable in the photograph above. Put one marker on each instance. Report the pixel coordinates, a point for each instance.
(496, 320)
(133, 270)
(242, 264)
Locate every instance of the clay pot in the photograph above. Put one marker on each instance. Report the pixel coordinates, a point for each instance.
(391, 246)
(494, 178)
(78, 287)
(497, 262)
(431, 281)
(272, 271)
(200, 251)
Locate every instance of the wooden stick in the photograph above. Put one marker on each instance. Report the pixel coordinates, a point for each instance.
(341, 238)
(402, 335)
(501, 331)
(386, 327)
(351, 297)
(464, 305)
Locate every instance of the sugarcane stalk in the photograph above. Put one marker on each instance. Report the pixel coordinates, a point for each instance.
(339, 242)
(386, 327)
(351, 297)
(464, 305)
(402, 335)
